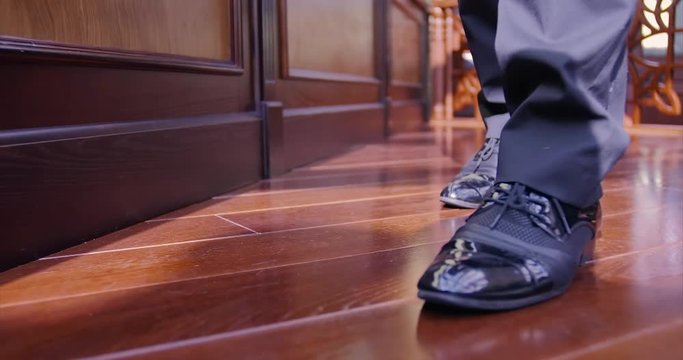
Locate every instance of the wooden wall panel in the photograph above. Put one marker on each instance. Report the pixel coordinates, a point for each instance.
(198, 28)
(406, 49)
(38, 94)
(407, 78)
(330, 37)
(91, 141)
(325, 86)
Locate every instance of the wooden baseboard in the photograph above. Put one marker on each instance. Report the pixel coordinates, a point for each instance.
(314, 133)
(406, 116)
(60, 187)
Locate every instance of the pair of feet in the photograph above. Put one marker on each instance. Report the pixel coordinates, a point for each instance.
(519, 247)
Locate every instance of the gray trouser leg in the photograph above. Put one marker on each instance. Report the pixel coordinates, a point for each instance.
(563, 66)
(479, 19)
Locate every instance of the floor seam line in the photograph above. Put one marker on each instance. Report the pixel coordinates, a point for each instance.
(238, 224)
(262, 233)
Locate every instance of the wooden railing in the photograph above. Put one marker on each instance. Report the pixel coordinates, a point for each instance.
(652, 77)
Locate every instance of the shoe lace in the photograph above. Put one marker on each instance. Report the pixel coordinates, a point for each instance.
(471, 181)
(517, 197)
(486, 151)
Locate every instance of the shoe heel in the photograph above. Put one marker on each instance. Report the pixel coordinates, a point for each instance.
(589, 250)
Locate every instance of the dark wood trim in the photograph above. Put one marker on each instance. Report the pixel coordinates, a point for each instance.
(56, 193)
(305, 74)
(302, 93)
(425, 69)
(236, 42)
(408, 84)
(74, 132)
(322, 110)
(269, 25)
(273, 139)
(284, 47)
(256, 54)
(40, 95)
(54, 52)
(383, 45)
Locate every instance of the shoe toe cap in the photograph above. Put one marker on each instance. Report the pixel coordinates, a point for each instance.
(484, 275)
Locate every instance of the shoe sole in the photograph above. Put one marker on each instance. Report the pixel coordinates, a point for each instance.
(499, 305)
(459, 203)
(492, 305)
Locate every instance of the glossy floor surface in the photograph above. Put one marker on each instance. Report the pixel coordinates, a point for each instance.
(323, 262)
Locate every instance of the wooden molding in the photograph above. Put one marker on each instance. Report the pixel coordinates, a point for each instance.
(294, 93)
(55, 52)
(273, 139)
(89, 180)
(322, 110)
(74, 132)
(409, 84)
(294, 73)
(282, 30)
(269, 36)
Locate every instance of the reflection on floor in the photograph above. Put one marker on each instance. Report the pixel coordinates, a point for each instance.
(322, 263)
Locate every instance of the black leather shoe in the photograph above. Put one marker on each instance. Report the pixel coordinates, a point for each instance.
(520, 248)
(468, 188)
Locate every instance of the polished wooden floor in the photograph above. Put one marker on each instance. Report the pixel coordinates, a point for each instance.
(323, 262)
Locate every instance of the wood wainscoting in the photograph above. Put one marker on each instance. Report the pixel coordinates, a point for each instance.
(332, 81)
(409, 36)
(93, 139)
(120, 117)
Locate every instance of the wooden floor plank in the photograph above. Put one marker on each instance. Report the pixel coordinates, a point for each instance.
(333, 272)
(93, 269)
(622, 233)
(605, 309)
(371, 167)
(268, 221)
(269, 187)
(97, 273)
(195, 228)
(610, 298)
(382, 152)
(201, 307)
(322, 196)
(162, 232)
